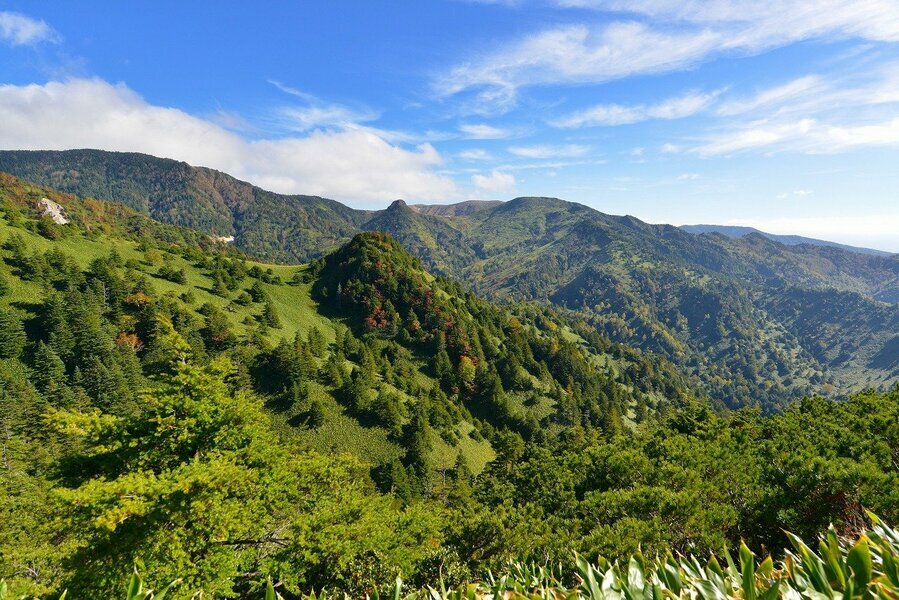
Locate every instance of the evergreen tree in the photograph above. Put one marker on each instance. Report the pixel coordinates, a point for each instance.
(12, 334)
(416, 440)
(193, 435)
(316, 414)
(270, 315)
(49, 370)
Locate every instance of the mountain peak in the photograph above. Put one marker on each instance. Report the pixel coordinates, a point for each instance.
(398, 205)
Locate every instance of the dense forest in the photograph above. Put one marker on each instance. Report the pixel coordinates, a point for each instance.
(167, 402)
(750, 321)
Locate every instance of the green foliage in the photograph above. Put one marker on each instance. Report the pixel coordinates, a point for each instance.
(864, 569)
(12, 334)
(141, 428)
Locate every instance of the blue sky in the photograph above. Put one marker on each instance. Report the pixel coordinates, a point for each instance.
(778, 114)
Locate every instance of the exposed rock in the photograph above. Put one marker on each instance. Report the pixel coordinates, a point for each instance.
(56, 212)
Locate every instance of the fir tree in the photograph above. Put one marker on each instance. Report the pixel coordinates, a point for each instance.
(270, 315)
(12, 334)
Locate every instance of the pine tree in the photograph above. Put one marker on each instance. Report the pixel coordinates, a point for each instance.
(270, 315)
(316, 414)
(257, 292)
(219, 288)
(12, 334)
(416, 439)
(49, 370)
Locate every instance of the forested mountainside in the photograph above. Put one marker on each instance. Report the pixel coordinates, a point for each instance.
(266, 224)
(734, 314)
(166, 401)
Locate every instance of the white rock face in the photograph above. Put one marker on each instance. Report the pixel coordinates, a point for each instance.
(54, 210)
(225, 239)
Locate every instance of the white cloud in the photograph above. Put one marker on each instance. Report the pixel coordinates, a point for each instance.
(550, 151)
(496, 182)
(794, 194)
(353, 164)
(688, 176)
(616, 114)
(809, 136)
(576, 53)
(798, 88)
(475, 154)
(482, 131)
(19, 30)
(764, 23)
(678, 35)
(314, 113)
(669, 148)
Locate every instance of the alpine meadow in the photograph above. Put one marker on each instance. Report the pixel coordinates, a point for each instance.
(216, 381)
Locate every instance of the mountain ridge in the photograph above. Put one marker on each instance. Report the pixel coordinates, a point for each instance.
(738, 231)
(726, 310)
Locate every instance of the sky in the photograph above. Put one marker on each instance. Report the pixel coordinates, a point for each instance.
(778, 114)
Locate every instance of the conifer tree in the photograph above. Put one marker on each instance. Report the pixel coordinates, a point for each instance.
(270, 315)
(12, 334)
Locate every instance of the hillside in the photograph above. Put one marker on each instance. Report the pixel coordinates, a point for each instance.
(413, 346)
(729, 312)
(788, 240)
(166, 402)
(271, 226)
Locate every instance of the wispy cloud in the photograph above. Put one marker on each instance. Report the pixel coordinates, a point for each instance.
(482, 131)
(352, 164)
(794, 194)
(617, 114)
(765, 23)
(806, 135)
(670, 35)
(775, 96)
(575, 54)
(20, 30)
(313, 113)
(550, 151)
(475, 154)
(813, 114)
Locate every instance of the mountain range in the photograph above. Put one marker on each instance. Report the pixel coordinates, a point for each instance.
(753, 320)
(736, 231)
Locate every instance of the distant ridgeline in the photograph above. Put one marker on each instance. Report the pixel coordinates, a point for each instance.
(169, 403)
(747, 319)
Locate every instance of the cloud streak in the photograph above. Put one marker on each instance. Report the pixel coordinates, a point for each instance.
(616, 114)
(550, 151)
(482, 131)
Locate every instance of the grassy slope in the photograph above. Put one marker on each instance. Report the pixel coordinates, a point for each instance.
(297, 310)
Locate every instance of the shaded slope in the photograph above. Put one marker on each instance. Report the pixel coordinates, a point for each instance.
(441, 247)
